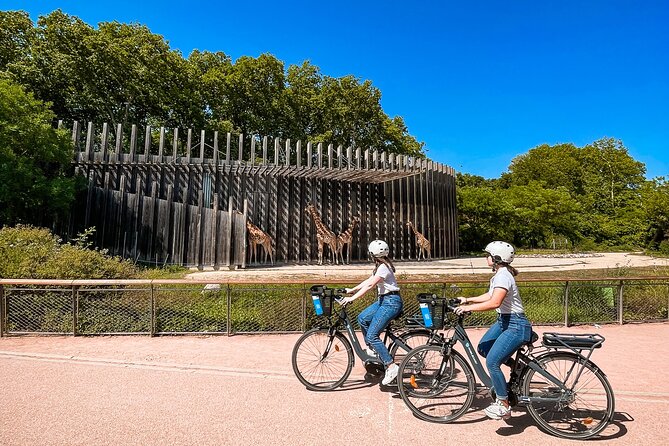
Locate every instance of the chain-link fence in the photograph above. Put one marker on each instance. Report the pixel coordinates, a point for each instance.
(185, 307)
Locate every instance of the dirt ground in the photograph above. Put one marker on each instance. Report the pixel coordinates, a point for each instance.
(437, 268)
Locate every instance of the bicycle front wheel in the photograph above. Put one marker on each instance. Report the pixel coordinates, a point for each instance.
(321, 361)
(436, 387)
(412, 338)
(580, 412)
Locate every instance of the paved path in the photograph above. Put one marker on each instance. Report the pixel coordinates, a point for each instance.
(240, 390)
(438, 268)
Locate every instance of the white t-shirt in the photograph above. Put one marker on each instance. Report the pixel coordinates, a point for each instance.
(389, 283)
(511, 303)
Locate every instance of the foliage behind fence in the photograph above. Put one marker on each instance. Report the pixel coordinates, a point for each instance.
(186, 307)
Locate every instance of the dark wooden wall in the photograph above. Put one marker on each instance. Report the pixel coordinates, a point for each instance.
(179, 209)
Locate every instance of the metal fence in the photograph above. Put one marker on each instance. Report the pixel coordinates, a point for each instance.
(154, 307)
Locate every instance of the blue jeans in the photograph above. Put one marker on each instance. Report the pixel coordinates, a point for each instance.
(375, 318)
(499, 343)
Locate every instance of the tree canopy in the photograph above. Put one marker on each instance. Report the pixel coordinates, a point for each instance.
(123, 73)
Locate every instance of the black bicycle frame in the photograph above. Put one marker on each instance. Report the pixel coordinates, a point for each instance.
(461, 335)
(343, 318)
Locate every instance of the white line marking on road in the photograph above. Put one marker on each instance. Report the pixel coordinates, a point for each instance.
(166, 367)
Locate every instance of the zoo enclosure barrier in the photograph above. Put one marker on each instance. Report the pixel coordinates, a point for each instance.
(155, 307)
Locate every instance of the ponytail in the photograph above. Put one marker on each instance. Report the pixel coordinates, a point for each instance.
(386, 261)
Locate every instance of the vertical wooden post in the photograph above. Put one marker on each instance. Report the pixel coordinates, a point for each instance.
(309, 154)
(147, 144)
(75, 309)
(298, 153)
(227, 148)
(175, 145)
(90, 151)
(188, 145)
(3, 312)
(621, 285)
(133, 142)
(104, 141)
(202, 140)
(215, 157)
(330, 155)
(118, 150)
(153, 312)
(264, 150)
(228, 240)
(161, 145)
(240, 147)
(287, 152)
(566, 304)
(252, 160)
(319, 158)
(277, 146)
(243, 239)
(228, 299)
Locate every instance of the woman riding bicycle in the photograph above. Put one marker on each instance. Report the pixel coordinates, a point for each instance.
(511, 329)
(374, 319)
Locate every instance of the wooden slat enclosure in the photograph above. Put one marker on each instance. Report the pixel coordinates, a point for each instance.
(187, 203)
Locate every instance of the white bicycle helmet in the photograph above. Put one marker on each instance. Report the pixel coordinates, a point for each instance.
(378, 248)
(500, 251)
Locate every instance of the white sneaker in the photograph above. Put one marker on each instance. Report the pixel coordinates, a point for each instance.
(498, 411)
(391, 374)
(370, 352)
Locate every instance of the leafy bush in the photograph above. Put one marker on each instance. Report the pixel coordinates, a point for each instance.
(27, 252)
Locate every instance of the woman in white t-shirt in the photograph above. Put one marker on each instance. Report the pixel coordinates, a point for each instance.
(375, 318)
(511, 329)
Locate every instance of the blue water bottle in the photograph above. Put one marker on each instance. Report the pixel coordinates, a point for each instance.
(317, 304)
(427, 317)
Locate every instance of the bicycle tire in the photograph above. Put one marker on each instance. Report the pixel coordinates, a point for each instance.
(436, 388)
(583, 414)
(316, 370)
(412, 338)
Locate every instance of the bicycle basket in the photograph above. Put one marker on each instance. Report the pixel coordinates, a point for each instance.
(321, 297)
(433, 309)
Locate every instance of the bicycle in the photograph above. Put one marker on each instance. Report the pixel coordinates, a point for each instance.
(323, 357)
(565, 393)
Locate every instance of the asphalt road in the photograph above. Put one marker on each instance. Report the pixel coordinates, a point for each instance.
(241, 390)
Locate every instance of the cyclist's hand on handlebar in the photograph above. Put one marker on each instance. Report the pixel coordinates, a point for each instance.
(345, 300)
(460, 310)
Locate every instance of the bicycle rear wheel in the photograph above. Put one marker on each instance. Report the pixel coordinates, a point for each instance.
(582, 412)
(320, 361)
(413, 339)
(436, 387)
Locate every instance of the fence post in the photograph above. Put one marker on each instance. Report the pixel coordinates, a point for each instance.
(229, 302)
(2, 311)
(153, 312)
(566, 304)
(75, 308)
(304, 307)
(620, 303)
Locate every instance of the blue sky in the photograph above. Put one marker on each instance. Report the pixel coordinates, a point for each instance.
(479, 82)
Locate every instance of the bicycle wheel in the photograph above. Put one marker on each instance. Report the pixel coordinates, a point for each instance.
(413, 339)
(322, 362)
(436, 388)
(583, 411)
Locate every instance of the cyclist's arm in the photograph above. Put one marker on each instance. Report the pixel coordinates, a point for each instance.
(485, 301)
(365, 286)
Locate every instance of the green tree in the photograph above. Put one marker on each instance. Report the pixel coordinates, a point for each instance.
(16, 37)
(35, 184)
(557, 166)
(611, 177)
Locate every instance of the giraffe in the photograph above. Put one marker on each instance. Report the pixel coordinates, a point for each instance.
(323, 234)
(422, 243)
(345, 239)
(258, 237)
